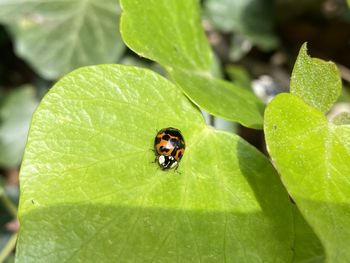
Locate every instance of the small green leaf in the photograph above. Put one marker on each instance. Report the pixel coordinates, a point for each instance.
(90, 191)
(254, 19)
(170, 33)
(59, 36)
(313, 157)
(317, 82)
(15, 115)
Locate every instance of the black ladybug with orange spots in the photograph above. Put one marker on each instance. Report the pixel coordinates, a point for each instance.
(169, 146)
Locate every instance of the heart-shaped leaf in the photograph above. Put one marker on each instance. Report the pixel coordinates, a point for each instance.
(90, 191)
(59, 36)
(313, 157)
(170, 33)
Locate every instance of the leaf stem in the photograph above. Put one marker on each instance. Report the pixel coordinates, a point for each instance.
(9, 205)
(8, 248)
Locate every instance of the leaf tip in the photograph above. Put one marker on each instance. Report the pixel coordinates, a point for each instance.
(303, 49)
(315, 81)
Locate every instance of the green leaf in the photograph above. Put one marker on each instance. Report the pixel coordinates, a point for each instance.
(313, 156)
(254, 19)
(317, 82)
(15, 115)
(90, 191)
(308, 248)
(59, 36)
(170, 33)
(235, 103)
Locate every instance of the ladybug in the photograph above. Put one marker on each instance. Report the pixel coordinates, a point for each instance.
(169, 146)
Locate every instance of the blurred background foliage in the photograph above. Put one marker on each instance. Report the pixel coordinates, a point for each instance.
(255, 44)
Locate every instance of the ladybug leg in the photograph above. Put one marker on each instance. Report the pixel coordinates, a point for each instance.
(175, 169)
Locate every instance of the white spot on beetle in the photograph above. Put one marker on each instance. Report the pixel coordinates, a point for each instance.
(173, 164)
(161, 159)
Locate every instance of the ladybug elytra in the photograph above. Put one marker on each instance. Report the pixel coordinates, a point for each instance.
(169, 146)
